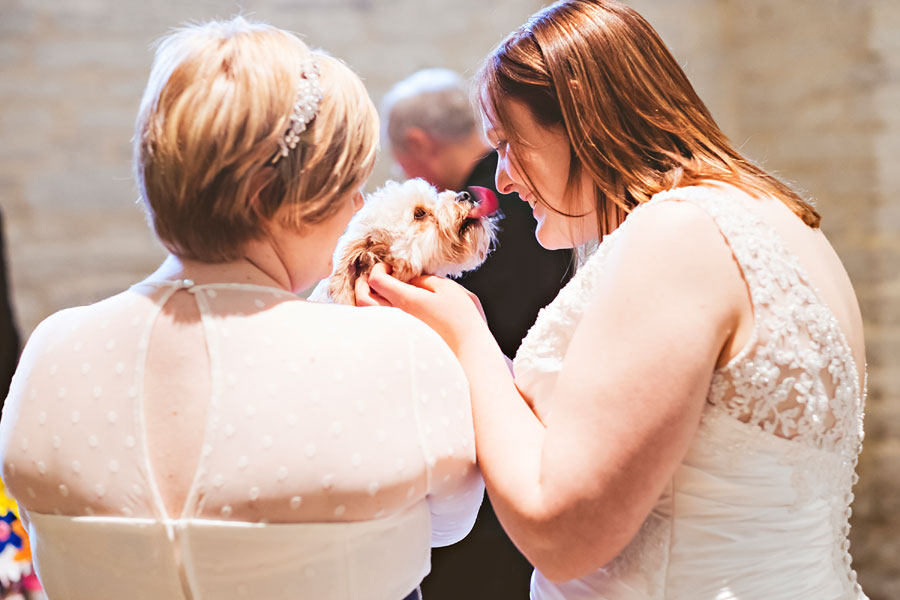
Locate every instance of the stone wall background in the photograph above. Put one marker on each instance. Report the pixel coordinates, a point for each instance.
(810, 88)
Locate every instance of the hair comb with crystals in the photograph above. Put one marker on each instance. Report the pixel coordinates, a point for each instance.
(306, 105)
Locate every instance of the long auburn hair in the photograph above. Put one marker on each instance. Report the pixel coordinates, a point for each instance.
(634, 122)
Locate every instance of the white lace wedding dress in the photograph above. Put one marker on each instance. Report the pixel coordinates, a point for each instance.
(759, 507)
(338, 447)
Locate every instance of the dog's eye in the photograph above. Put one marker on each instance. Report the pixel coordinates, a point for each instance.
(419, 213)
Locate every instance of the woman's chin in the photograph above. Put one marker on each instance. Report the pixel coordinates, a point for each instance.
(549, 240)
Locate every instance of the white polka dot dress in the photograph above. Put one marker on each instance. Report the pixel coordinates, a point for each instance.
(193, 441)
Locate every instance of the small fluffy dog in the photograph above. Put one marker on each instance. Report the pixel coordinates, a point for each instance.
(416, 230)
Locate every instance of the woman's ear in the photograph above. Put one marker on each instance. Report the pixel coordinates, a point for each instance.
(416, 142)
(358, 201)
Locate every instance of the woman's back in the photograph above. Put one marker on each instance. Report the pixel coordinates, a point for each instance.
(214, 422)
(759, 505)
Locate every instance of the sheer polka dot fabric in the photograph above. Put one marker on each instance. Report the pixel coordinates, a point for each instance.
(306, 413)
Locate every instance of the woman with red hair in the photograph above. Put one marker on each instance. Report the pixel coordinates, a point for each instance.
(684, 419)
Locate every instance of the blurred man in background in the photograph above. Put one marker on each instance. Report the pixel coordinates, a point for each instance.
(431, 129)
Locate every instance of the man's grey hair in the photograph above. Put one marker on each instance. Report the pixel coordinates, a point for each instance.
(434, 100)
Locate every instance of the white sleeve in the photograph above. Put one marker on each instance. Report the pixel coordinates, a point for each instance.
(32, 353)
(320, 293)
(444, 421)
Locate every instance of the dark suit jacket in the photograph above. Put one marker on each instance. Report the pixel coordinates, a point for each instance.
(515, 282)
(9, 336)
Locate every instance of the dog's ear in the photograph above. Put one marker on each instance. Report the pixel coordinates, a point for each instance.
(356, 260)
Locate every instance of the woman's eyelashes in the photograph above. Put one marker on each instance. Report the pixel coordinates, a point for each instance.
(498, 144)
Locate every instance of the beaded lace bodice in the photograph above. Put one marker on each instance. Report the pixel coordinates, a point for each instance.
(786, 410)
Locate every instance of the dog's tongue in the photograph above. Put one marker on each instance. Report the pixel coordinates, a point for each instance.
(487, 202)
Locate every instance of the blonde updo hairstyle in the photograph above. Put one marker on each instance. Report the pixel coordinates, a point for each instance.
(206, 146)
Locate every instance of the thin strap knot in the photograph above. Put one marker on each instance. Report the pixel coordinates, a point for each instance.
(186, 284)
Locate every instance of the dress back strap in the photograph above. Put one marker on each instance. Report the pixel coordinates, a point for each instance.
(756, 246)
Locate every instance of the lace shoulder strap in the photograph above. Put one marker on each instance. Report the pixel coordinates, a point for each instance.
(796, 376)
(757, 248)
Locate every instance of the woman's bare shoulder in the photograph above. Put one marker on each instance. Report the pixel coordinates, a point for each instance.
(673, 231)
(674, 252)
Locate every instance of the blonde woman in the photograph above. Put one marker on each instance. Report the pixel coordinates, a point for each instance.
(205, 433)
(685, 418)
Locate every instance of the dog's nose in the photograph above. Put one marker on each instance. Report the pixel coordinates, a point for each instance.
(464, 197)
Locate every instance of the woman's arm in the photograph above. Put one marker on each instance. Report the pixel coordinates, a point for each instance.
(443, 416)
(627, 402)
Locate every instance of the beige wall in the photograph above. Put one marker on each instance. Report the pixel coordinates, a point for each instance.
(811, 88)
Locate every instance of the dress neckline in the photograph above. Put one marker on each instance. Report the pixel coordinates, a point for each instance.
(189, 285)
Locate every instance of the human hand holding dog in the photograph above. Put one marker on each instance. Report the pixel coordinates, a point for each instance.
(365, 296)
(451, 310)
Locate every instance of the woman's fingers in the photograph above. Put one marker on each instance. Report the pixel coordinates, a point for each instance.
(365, 296)
(382, 268)
(396, 292)
(432, 283)
(362, 293)
(440, 303)
(436, 284)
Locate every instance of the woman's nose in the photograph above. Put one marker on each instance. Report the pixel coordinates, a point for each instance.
(502, 179)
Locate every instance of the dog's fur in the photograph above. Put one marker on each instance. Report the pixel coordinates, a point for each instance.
(414, 229)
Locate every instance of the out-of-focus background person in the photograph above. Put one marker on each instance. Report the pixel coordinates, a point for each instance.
(432, 133)
(809, 88)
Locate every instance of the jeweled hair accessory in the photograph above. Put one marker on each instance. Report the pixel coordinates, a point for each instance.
(306, 105)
